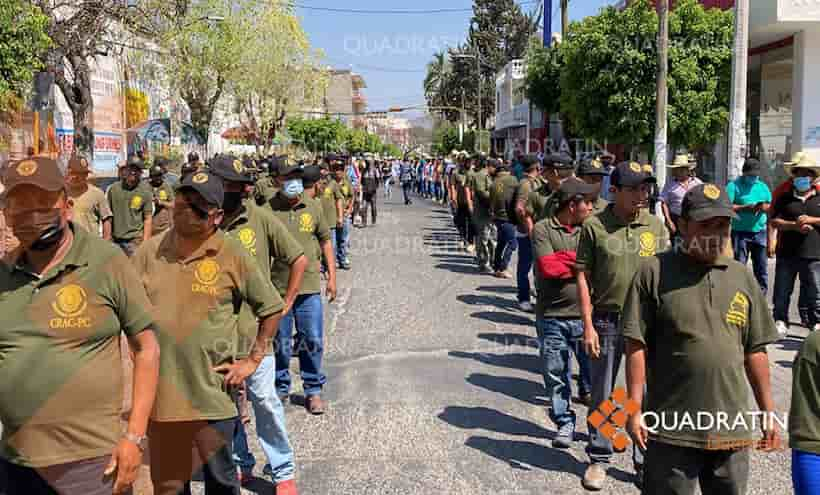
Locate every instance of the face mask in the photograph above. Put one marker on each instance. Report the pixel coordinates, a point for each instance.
(232, 201)
(293, 188)
(802, 184)
(39, 229)
(191, 222)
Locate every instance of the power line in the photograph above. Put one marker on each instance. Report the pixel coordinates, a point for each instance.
(399, 12)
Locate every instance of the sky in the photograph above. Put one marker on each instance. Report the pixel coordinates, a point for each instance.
(391, 51)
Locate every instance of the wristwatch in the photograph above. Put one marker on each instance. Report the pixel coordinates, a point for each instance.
(140, 441)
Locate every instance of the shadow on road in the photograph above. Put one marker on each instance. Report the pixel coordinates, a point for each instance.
(792, 343)
(259, 485)
(517, 361)
(483, 418)
(517, 388)
(480, 300)
(785, 364)
(510, 339)
(503, 318)
(527, 455)
(504, 289)
(459, 268)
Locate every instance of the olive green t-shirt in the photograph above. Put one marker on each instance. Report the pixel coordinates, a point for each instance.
(60, 362)
(90, 209)
(526, 186)
(539, 203)
(331, 192)
(556, 298)
(481, 185)
(346, 188)
(266, 240)
(264, 190)
(502, 194)
(460, 183)
(307, 224)
(196, 304)
(698, 323)
(610, 250)
(804, 416)
(130, 208)
(162, 215)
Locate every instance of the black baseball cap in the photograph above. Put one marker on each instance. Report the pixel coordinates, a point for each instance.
(559, 161)
(591, 167)
(229, 168)
(155, 171)
(41, 172)
(574, 188)
(706, 201)
(630, 174)
(208, 185)
(752, 166)
(530, 162)
(285, 169)
(311, 175)
(135, 162)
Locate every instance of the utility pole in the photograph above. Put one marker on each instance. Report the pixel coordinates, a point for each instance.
(564, 18)
(547, 22)
(662, 93)
(480, 116)
(737, 118)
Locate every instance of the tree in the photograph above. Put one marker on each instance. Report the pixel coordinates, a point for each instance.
(23, 40)
(700, 61)
(317, 134)
(445, 139)
(543, 79)
(78, 30)
(607, 89)
(280, 73)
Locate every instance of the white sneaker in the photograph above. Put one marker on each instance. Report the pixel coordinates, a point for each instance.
(782, 329)
(526, 306)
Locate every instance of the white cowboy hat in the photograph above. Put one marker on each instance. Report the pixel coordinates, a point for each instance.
(787, 166)
(806, 162)
(682, 161)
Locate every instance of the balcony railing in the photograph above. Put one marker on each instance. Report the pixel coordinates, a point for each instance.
(515, 117)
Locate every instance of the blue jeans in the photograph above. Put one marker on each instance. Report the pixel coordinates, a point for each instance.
(603, 375)
(524, 267)
(270, 421)
(333, 242)
(342, 242)
(507, 244)
(786, 271)
(805, 473)
(242, 455)
(754, 244)
(558, 340)
(307, 315)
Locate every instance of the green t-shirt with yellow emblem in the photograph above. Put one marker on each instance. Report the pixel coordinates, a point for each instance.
(698, 323)
(610, 250)
(306, 223)
(195, 305)
(129, 207)
(266, 240)
(61, 391)
(502, 193)
(804, 414)
(331, 192)
(481, 185)
(162, 216)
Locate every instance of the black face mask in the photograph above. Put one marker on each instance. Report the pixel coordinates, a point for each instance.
(39, 229)
(232, 202)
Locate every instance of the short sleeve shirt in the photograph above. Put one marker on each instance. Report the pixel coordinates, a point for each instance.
(741, 193)
(267, 241)
(308, 226)
(331, 192)
(804, 414)
(674, 191)
(481, 184)
(502, 193)
(90, 209)
(610, 250)
(460, 183)
(61, 391)
(698, 323)
(794, 243)
(196, 303)
(162, 215)
(557, 298)
(129, 208)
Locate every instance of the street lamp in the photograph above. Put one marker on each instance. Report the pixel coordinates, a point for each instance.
(478, 62)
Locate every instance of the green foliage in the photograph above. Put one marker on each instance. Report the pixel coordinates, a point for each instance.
(23, 39)
(445, 139)
(608, 85)
(543, 79)
(391, 150)
(700, 63)
(321, 135)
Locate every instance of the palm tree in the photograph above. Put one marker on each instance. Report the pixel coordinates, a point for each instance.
(438, 71)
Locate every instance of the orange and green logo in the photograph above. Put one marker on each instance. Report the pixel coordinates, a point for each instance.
(610, 417)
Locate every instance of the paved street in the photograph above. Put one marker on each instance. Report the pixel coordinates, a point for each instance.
(434, 384)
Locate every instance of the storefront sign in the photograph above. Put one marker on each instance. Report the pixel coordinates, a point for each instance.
(798, 10)
(107, 151)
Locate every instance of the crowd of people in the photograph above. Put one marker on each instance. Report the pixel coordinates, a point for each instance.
(669, 292)
(218, 275)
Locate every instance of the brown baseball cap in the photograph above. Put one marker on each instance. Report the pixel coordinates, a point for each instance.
(78, 165)
(40, 171)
